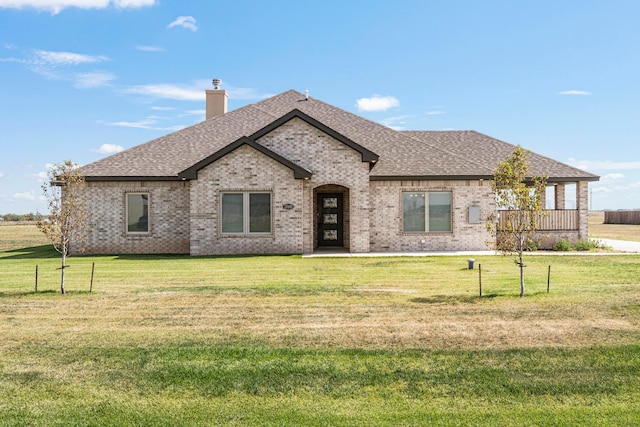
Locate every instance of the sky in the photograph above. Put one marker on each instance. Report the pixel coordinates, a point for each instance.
(83, 79)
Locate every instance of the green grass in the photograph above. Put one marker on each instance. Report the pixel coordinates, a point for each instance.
(281, 340)
(195, 384)
(18, 235)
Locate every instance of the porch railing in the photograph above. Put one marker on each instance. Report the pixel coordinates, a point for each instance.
(550, 220)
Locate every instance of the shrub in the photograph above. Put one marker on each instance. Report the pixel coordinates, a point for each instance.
(562, 245)
(588, 245)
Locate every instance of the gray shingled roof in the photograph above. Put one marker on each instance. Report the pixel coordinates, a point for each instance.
(488, 151)
(425, 154)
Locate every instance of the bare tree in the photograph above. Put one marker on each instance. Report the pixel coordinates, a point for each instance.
(67, 220)
(518, 200)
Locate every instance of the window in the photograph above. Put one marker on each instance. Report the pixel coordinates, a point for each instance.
(422, 211)
(137, 212)
(246, 213)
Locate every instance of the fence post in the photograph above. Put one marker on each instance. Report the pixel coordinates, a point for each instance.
(548, 278)
(36, 278)
(93, 267)
(480, 278)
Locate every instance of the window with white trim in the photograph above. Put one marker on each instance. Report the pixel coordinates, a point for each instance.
(137, 210)
(426, 211)
(245, 213)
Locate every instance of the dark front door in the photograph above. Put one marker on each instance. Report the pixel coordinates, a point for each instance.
(330, 220)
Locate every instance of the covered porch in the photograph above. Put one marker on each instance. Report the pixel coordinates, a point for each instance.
(566, 213)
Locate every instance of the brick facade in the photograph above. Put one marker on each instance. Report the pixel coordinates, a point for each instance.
(184, 216)
(168, 218)
(333, 165)
(386, 217)
(246, 169)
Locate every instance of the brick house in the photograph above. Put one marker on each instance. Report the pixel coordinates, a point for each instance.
(291, 174)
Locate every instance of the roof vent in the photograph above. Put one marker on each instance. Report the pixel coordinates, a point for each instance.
(306, 97)
(216, 83)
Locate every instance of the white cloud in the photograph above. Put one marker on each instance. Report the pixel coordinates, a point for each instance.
(603, 165)
(66, 58)
(150, 48)
(192, 92)
(245, 93)
(1, 175)
(194, 113)
(29, 195)
(188, 22)
(19, 61)
(163, 108)
(396, 123)
(574, 92)
(10, 46)
(631, 186)
(109, 149)
(93, 79)
(40, 176)
(377, 103)
(169, 91)
(435, 113)
(141, 124)
(147, 123)
(611, 177)
(56, 6)
(602, 190)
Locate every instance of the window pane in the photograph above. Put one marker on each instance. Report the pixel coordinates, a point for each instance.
(413, 212)
(439, 211)
(260, 213)
(137, 213)
(232, 213)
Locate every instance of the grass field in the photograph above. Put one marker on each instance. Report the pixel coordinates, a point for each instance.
(281, 340)
(597, 228)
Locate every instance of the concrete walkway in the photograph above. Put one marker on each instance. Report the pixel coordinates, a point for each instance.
(622, 247)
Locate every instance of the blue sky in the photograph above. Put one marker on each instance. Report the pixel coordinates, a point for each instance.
(85, 78)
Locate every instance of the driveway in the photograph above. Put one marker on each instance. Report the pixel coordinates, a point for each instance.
(620, 245)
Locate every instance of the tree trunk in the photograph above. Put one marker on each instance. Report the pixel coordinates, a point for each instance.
(521, 276)
(62, 274)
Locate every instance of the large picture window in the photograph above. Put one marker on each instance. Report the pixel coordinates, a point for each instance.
(137, 212)
(426, 211)
(246, 213)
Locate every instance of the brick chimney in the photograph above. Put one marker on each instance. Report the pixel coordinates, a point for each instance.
(216, 100)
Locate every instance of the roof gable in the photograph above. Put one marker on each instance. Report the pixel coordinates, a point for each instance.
(367, 155)
(192, 172)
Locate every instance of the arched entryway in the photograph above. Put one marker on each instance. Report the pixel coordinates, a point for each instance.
(331, 220)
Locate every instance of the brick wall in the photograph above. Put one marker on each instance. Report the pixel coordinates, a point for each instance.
(246, 169)
(386, 217)
(335, 166)
(168, 218)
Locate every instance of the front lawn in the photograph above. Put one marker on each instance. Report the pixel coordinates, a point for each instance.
(281, 340)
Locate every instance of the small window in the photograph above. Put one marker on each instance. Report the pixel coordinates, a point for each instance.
(422, 212)
(246, 213)
(137, 212)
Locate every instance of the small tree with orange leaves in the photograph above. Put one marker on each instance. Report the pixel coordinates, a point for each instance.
(67, 220)
(518, 197)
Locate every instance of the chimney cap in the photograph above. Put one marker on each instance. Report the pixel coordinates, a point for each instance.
(216, 83)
